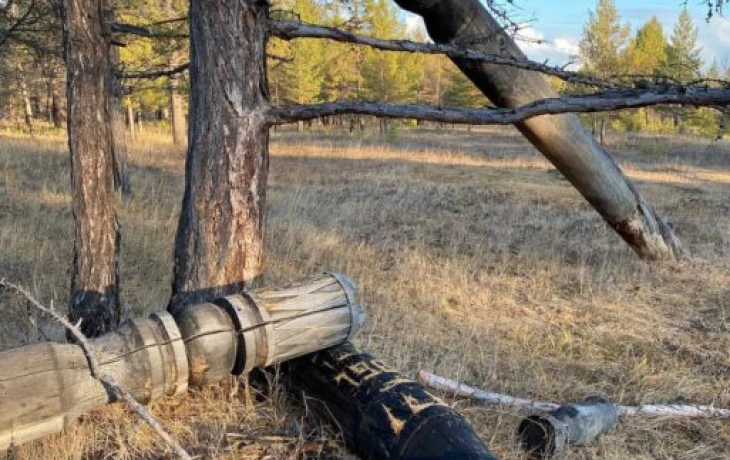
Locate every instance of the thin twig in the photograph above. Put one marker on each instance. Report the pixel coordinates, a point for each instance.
(96, 372)
(651, 410)
(152, 74)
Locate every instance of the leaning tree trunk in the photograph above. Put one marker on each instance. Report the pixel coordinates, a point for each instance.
(219, 242)
(561, 138)
(94, 282)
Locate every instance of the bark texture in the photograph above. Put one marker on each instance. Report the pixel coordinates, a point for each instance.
(177, 114)
(219, 243)
(560, 138)
(94, 282)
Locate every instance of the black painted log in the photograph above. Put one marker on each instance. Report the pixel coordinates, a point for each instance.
(545, 436)
(382, 414)
(560, 138)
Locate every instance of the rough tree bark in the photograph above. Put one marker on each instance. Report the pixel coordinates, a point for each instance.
(219, 242)
(94, 282)
(560, 138)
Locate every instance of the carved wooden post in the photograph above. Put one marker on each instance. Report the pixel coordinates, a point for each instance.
(381, 413)
(561, 138)
(45, 387)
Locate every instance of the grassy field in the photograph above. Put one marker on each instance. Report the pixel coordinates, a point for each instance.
(475, 260)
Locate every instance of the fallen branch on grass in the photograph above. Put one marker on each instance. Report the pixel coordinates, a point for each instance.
(652, 410)
(107, 380)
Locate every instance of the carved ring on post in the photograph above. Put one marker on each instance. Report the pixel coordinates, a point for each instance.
(253, 329)
(173, 339)
(357, 316)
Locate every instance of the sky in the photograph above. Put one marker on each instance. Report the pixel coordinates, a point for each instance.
(559, 23)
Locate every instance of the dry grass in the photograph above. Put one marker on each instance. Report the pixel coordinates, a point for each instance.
(475, 261)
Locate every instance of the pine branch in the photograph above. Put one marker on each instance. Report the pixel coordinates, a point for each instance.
(96, 372)
(599, 102)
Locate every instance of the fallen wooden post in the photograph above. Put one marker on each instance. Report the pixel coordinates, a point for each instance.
(44, 387)
(381, 413)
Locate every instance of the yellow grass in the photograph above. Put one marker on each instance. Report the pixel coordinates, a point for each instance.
(475, 260)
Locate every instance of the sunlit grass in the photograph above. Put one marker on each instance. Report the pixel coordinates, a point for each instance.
(475, 260)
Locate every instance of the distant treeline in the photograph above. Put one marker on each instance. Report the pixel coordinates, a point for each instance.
(306, 70)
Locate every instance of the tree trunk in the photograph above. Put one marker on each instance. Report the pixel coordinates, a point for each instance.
(119, 132)
(561, 138)
(177, 115)
(130, 119)
(27, 105)
(94, 282)
(220, 238)
(55, 109)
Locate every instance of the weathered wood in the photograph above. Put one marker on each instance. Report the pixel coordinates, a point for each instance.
(560, 138)
(45, 387)
(219, 244)
(293, 321)
(94, 281)
(381, 413)
(600, 102)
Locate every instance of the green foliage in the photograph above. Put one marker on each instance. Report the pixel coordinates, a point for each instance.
(647, 51)
(683, 61)
(461, 92)
(604, 38)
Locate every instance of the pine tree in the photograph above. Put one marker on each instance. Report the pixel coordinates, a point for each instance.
(683, 62)
(683, 56)
(602, 47)
(647, 51)
(604, 38)
(460, 91)
(386, 76)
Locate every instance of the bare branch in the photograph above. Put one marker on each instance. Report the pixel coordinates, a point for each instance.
(600, 102)
(289, 30)
(5, 35)
(96, 372)
(151, 74)
(140, 31)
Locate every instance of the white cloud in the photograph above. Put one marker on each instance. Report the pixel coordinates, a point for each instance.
(413, 22)
(714, 39)
(556, 51)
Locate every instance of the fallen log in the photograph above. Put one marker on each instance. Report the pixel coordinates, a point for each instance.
(560, 138)
(381, 413)
(45, 387)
